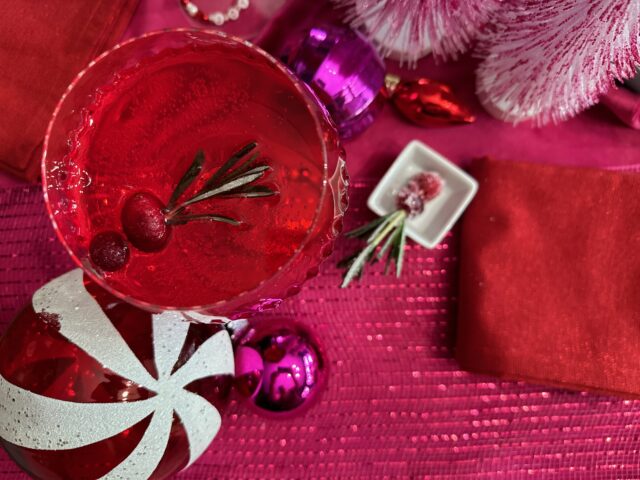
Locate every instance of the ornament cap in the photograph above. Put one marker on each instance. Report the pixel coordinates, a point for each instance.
(391, 82)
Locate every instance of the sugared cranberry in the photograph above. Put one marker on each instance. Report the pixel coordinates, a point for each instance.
(410, 199)
(109, 251)
(143, 222)
(422, 188)
(430, 185)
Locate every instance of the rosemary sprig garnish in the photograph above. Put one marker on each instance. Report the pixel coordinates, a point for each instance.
(219, 174)
(187, 179)
(251, 192)
(384, 236)
(182, 219)
(226, 182)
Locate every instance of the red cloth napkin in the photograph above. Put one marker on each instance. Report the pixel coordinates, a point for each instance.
(550, 271)
(43, 45)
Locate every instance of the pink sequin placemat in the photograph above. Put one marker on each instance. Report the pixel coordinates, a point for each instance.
(397, 405)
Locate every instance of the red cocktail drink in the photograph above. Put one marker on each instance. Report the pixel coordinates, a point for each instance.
(130, 127)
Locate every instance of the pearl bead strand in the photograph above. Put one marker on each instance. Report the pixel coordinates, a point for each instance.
(216, 18)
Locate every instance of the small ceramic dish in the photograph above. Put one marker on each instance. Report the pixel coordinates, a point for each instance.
(440, 214)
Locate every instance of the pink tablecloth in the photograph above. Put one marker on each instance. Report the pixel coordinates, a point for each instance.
(396, 406)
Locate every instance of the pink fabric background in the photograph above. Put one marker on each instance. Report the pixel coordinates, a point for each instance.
(397, 405)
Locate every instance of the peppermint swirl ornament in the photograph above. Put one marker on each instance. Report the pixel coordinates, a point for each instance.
(91, 387)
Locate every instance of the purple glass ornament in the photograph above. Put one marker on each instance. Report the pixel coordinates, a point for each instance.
(345, 71)
(280, 369)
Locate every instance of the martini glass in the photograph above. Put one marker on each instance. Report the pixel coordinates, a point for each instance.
(132, 123)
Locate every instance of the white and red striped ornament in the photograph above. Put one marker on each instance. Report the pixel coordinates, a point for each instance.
(91, 387)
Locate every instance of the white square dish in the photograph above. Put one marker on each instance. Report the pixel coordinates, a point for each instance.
(440, 214)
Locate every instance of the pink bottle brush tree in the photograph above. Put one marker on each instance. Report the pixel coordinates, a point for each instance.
(541, 60)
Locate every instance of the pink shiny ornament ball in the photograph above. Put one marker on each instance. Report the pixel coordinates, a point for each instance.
(280, 369)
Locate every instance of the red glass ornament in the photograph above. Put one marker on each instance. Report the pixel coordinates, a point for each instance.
(35, 356)
(427, 102)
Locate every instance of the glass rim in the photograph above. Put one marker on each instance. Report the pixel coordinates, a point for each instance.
(313, 105)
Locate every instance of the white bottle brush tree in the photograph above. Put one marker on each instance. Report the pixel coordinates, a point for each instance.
(541, 60)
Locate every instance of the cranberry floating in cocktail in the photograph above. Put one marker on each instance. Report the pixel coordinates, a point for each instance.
(189, 170)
